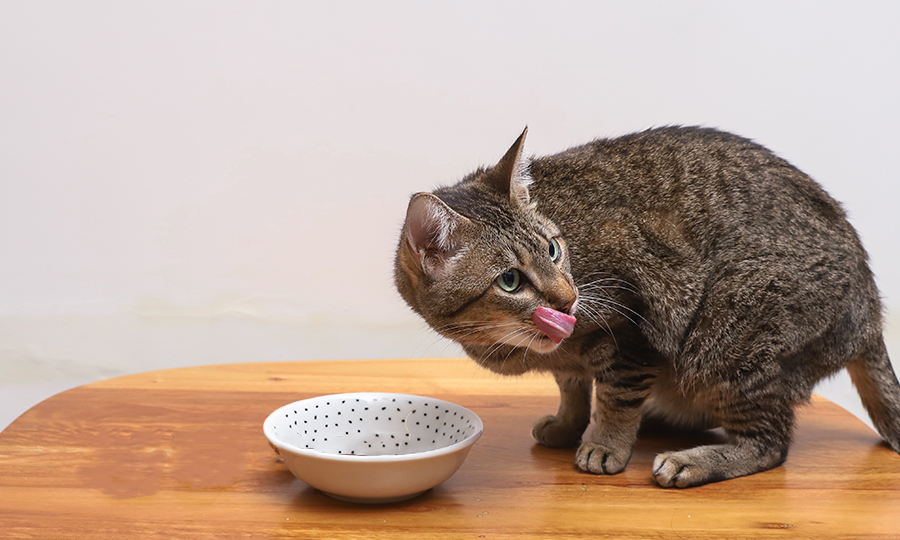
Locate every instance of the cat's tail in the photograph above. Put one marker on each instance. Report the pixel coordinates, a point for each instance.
(879, 390)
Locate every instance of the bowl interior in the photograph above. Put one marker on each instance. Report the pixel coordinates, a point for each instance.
(373, 424)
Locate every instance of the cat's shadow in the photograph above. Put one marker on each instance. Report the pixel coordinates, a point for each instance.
(654, 437)
(658, 437)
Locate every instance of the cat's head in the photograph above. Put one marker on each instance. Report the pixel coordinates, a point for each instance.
(476, 260)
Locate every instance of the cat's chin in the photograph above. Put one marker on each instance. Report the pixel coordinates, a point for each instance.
(503, 366)
(540, 344)
(544, 345)
(520, 360)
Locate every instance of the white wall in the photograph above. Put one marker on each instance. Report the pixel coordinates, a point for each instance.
(192, 182)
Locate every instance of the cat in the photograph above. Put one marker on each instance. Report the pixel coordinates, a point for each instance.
(681, 274)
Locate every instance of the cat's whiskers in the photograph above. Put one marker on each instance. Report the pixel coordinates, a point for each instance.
(596, 291)
(458, 331)
(627, 285)
(597, 318)
(528, 348)
(505, 340)
(610, 305)
(513, 349)
(472, 324)
(517, 335)
(594, 287)
(587, 290)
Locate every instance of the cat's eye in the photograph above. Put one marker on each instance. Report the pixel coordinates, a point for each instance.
(510, 280)
(555, 250)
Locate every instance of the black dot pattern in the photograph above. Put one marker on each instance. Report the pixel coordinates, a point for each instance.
(374, 424)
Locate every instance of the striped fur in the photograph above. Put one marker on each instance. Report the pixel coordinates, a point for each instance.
(714, 285)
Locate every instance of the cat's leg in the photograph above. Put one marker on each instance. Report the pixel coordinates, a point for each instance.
(619, 397)
(745, 358)
(759, 429)
(566, 427)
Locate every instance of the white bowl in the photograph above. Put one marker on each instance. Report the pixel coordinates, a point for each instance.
(373, 447)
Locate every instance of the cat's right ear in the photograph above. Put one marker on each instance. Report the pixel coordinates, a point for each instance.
(432, 231)
(511, 177)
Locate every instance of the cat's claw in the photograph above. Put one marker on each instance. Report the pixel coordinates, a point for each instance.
(598, 459)
(551, 431)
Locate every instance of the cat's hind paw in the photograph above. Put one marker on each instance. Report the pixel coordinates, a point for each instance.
(550, 431)
(598, 459)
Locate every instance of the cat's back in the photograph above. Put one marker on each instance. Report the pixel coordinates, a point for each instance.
(664, 162)
(673, 211)
(715, 185)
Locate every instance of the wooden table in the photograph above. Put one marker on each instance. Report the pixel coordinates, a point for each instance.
(181, 454)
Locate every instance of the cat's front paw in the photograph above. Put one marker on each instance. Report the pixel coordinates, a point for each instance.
(714, 463)
(551, 431)
(599, 459)
(690, 468)
(676, 469)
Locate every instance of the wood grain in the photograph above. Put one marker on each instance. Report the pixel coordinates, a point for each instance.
(180, 454)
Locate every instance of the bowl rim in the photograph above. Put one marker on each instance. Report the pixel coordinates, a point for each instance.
(269, 432)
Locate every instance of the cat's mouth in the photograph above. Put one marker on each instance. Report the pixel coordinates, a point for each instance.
(556, 325)
(550, 328)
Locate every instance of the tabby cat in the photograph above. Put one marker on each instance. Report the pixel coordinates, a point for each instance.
(714, 285)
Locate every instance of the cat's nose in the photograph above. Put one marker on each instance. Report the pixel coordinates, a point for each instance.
(570, 306)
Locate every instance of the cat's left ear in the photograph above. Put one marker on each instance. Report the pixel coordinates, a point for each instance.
(510, 175)
(435, 233)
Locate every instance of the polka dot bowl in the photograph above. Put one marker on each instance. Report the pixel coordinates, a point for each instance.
(373, 447)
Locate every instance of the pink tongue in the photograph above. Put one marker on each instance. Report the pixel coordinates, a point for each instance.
(556, 324)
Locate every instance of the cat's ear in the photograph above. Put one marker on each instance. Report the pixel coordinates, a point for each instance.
(510, 175)
(433, 233)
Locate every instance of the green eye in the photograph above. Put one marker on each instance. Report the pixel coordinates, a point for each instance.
(510, 280)
(555, 250)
